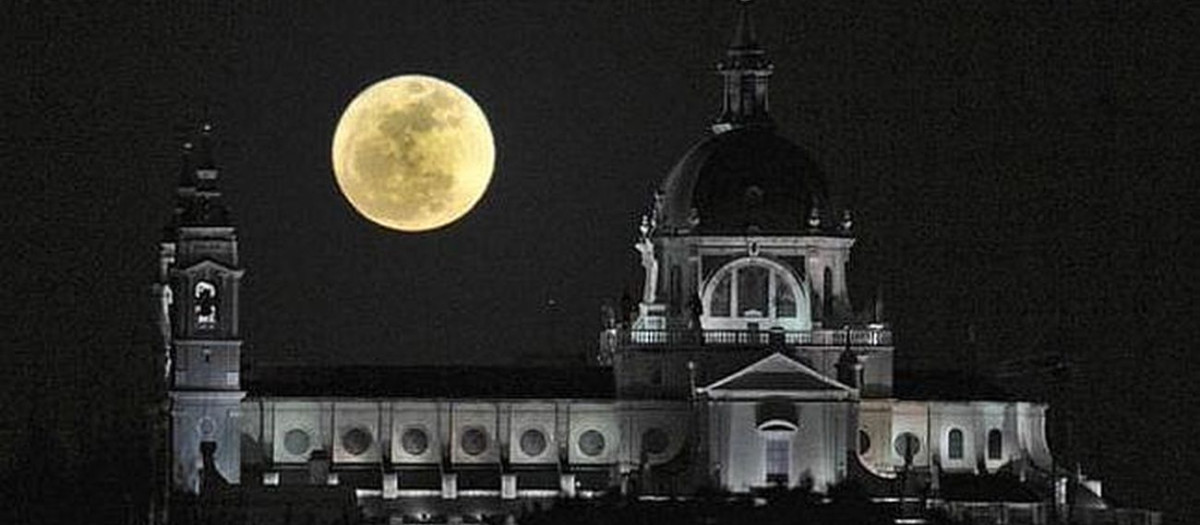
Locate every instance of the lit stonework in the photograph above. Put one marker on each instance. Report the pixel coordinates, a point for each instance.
(743, 366)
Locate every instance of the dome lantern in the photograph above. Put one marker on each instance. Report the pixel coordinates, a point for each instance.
(745, 72)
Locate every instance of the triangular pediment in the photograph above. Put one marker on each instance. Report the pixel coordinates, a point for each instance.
(209, 265)
(778, 375)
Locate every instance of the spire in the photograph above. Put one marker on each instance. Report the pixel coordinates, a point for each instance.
(204, 153)
(198, 198)
(744, 36)
(186, 174)
(206, 165)
(745, 72)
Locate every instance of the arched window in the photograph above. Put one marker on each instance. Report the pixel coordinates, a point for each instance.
(205, 307)
(755, 290)
(955, 446)
(995, 448)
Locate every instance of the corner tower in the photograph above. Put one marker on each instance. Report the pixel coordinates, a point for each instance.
(744, 255)
(198, 292)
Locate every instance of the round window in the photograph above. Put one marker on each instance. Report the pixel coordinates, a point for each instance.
(296, 442)
(591, 443)
(474, 441)
(655, 441)
(356, 441)
(207, 426)
(533, 442)
(907, 445)
(414, 441)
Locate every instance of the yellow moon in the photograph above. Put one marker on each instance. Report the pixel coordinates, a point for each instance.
(413, 153)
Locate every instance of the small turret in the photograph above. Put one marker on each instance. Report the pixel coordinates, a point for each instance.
(745, 71)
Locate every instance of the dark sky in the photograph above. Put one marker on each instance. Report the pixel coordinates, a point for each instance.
(1021, 170)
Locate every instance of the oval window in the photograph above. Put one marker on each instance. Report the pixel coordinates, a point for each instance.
(356, 441)
(474, 441)
(533, 442)
(414, 441)
(296, 442)
(591, 443)
(207, 426)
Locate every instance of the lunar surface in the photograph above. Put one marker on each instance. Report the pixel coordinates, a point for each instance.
(413, 153)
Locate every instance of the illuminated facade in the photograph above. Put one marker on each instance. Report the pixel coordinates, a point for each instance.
(743, 366)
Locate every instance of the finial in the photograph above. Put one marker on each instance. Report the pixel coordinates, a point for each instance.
(204, 150)
(186, 179)
(847, 220)
(744, 35)
(814, 218)
(658, 206)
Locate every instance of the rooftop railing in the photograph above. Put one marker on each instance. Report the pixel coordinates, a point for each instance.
(819, 337)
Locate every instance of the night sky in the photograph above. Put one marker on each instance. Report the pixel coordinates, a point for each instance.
(1020, 171)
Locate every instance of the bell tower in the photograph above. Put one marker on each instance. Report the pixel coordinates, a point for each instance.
(198, 291)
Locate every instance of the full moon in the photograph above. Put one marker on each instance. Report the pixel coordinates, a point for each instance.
(413, 153)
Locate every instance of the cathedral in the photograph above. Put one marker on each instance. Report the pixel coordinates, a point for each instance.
(741, 367)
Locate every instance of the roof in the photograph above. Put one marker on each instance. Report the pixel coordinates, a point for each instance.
(479, 382)
(948, 385)
(747, 179)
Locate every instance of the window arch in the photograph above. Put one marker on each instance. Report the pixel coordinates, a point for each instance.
(755, 290)
(995, 444)
(954, 448)
(205, 307)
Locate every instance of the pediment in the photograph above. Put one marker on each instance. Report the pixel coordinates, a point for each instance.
(209, 265)
(778, 375)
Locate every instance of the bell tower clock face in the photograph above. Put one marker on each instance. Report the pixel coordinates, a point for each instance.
(205, 309)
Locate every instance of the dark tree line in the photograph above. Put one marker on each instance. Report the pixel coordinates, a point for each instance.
(844, 504)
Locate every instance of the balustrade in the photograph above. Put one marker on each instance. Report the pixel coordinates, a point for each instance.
(831, 337)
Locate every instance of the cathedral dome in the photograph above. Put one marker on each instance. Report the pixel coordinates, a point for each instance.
(746, 180)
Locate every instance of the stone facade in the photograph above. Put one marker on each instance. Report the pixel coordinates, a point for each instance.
(744, 366)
